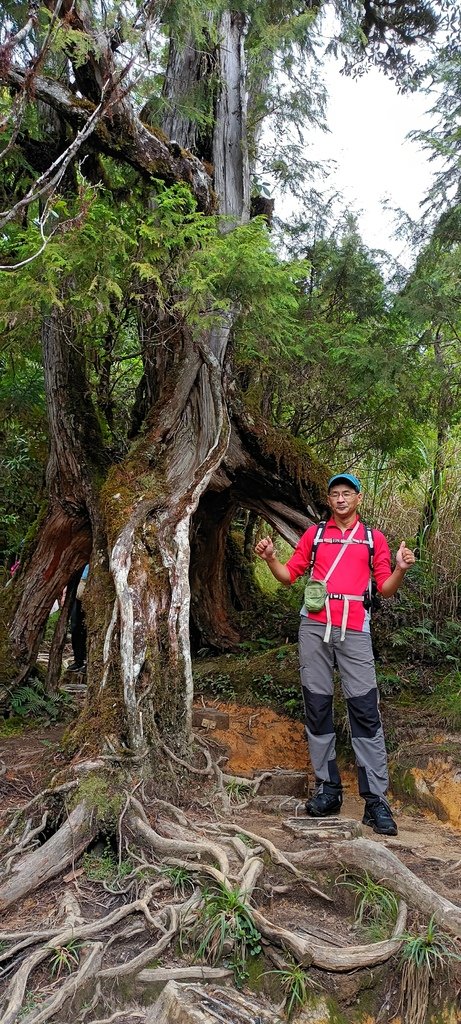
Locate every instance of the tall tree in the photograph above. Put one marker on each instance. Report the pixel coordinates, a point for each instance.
(75, 88)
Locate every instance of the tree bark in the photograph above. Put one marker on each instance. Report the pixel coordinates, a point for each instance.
(195, 439)
(211, 605)
(119, 132)
(63, 541)
(148, 501)
(49, 860)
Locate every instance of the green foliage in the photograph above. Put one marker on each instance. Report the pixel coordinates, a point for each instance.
(103, 866)
(11, 727)
(375, 906)
(429, 642)
(423, 958)
(65, 958)
(433, 950)
(297, 986)
(226, 921)
(32, 702)
(446, 700)
(104, 795)
(263, 690)
(181, 879)
(238, 791)
(349, 329)
(24, 447)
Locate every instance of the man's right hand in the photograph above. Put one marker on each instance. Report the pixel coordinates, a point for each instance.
(265, 549)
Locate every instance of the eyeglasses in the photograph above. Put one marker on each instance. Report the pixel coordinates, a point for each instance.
(341, 494)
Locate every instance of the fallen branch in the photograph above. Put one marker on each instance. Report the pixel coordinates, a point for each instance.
(159, 974)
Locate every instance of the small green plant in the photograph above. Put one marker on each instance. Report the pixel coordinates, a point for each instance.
(423, 957)
(389, 683)
(103, 866)
(181, 879)
(446, 700)
(65, 958)
(33, 702)
(217, 685)
(297, 986)
(11, 727)
(433, 949)
(245, 839)
(50, 627)
(238, 791)
(227, 926)
(375, 907)
(31, 1001)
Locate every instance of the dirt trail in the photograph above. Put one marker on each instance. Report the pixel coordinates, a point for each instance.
(257, 738)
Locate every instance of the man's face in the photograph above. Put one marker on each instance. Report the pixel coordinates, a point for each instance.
(343, 499)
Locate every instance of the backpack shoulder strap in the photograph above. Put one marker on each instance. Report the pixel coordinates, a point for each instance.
(321, 527)
(370, 540)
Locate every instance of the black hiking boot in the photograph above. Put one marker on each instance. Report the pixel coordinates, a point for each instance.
(75, 667)
(325, 802)
(378, 816)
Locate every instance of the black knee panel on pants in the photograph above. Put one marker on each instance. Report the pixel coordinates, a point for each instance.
(364, 714)
(319, 712)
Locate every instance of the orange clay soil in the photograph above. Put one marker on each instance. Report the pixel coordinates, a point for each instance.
(259, 738)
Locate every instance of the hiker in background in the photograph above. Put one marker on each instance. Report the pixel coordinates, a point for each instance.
(340, 556)
(78, 627)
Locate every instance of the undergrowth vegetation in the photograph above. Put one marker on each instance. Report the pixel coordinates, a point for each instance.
(425, 957)
(226, 926)
(375, 906)
(32, 705)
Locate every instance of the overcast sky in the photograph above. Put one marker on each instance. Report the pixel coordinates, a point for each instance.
(369, 121)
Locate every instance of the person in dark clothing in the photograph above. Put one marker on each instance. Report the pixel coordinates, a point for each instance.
(78, 628)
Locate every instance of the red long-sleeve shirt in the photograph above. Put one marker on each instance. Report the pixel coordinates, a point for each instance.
(351, 575)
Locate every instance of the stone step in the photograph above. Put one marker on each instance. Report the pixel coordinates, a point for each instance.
(323, 829)
(283, 782)
(209, 718)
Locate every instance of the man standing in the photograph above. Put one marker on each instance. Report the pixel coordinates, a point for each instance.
(339, 631)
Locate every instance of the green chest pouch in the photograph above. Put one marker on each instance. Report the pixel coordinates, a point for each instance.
(315, 595)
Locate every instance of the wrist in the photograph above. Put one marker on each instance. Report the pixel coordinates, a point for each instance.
(272, 557)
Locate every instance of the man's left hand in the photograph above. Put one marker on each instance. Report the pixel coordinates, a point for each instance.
(405, 557)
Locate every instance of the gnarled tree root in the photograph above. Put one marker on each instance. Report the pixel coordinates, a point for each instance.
(180, 842)
(382, 864)
(350, 958)
(62, 849)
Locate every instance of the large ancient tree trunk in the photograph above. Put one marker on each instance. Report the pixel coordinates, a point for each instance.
(138, 523)
(63, 540)
(211, 607)
(267, 475)
(147, 503)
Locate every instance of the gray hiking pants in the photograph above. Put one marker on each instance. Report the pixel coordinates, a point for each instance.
(355, 662)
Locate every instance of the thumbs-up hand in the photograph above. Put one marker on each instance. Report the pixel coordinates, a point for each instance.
(405, 557)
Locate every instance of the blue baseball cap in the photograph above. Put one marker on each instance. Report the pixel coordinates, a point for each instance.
(345, 476)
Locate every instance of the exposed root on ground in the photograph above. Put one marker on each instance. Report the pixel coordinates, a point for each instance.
(382, 864)
(223, 860)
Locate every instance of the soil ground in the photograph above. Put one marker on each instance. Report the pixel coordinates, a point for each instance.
(425, 766)
(258, 738)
